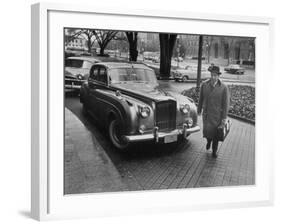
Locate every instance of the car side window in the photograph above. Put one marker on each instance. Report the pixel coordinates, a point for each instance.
(102, 75)
(94, 73)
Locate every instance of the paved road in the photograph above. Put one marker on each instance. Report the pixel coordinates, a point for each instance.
(183, 165)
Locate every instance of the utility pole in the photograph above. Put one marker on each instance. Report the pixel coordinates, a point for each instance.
(199, 62)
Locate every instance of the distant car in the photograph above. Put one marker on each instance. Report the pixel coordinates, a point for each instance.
(126, 99)
(77, 71)
(189, 72)
(235, 69)
(156, 59)
(179, 59)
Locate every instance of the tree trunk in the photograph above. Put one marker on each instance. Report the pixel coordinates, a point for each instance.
(89, 46)
(102, 50)
(167, 42)
(133, 54)
(133, 45)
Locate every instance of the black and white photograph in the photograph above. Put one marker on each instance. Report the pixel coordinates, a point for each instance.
(150, 111)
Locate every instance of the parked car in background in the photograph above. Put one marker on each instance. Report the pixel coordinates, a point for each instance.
(156, 59)
(127, 100)
(153, 56)
(179, 59)
(235, 69)
(189, 72)
(77, 71)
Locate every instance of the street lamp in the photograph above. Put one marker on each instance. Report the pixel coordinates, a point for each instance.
(115, 48)
(178, 51)
(207, 51)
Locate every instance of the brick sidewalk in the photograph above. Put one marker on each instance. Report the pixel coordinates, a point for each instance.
(87, 167)
(191, 165)
(188, 165)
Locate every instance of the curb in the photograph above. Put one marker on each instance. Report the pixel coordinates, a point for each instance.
(242, 118)
(87, 168)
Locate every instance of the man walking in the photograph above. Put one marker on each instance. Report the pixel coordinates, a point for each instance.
(214, 101)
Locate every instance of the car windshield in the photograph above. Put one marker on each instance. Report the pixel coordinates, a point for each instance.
(140, 75)
(74, 63)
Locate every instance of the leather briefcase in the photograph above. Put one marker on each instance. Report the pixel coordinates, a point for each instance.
(223, 130)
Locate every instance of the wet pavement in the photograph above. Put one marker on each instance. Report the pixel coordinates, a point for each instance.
(92, 164)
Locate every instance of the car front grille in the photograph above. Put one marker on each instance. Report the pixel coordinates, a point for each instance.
(166, 115)
(72, 81)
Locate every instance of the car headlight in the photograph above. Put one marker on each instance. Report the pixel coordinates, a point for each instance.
(184, 108)
(79, 76)
(141, 129)
(144, 111)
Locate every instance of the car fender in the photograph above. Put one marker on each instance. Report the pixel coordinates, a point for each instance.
(119, 108)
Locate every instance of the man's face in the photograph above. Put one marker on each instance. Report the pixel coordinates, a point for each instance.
(214, 76)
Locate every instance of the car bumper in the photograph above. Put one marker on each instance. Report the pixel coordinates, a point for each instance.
(72, 83)
(178, 79)
(165, 137)
(72, 86)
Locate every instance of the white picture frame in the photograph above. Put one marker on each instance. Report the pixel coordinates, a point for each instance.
(48, 201)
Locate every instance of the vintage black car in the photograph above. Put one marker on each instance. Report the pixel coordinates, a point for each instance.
(127, 100)
(235, 69)
(77, 71)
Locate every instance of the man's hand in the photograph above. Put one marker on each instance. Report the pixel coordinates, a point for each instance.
(223, 122)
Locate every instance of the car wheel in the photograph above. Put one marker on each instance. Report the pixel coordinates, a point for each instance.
(115, 131)
(185, 78)
(84, 109)
(77, 92)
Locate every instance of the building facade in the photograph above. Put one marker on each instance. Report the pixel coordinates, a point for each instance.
(77, 43)
(221, 50)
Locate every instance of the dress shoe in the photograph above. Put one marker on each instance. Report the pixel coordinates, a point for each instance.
(208, 145)
(214, 154)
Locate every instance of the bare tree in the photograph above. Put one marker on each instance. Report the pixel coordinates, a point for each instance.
(252, 47)
(90, 38)
(167, 43)
(228, 44)
(132, 38)
(71, 34)
(103, 38)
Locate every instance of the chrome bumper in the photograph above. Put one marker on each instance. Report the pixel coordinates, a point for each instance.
(156, 135)
(71, 83)
(72, 86)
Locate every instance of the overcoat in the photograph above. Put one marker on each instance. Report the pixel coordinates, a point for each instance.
(214, 101)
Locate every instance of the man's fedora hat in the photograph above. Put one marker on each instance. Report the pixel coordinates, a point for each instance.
(215, 69)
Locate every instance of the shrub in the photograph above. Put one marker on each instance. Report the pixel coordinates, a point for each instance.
(242, 100)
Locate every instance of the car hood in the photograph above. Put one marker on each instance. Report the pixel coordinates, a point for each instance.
(76, 71)
(150, 92)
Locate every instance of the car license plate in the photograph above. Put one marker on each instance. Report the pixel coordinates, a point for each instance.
(170, 138)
